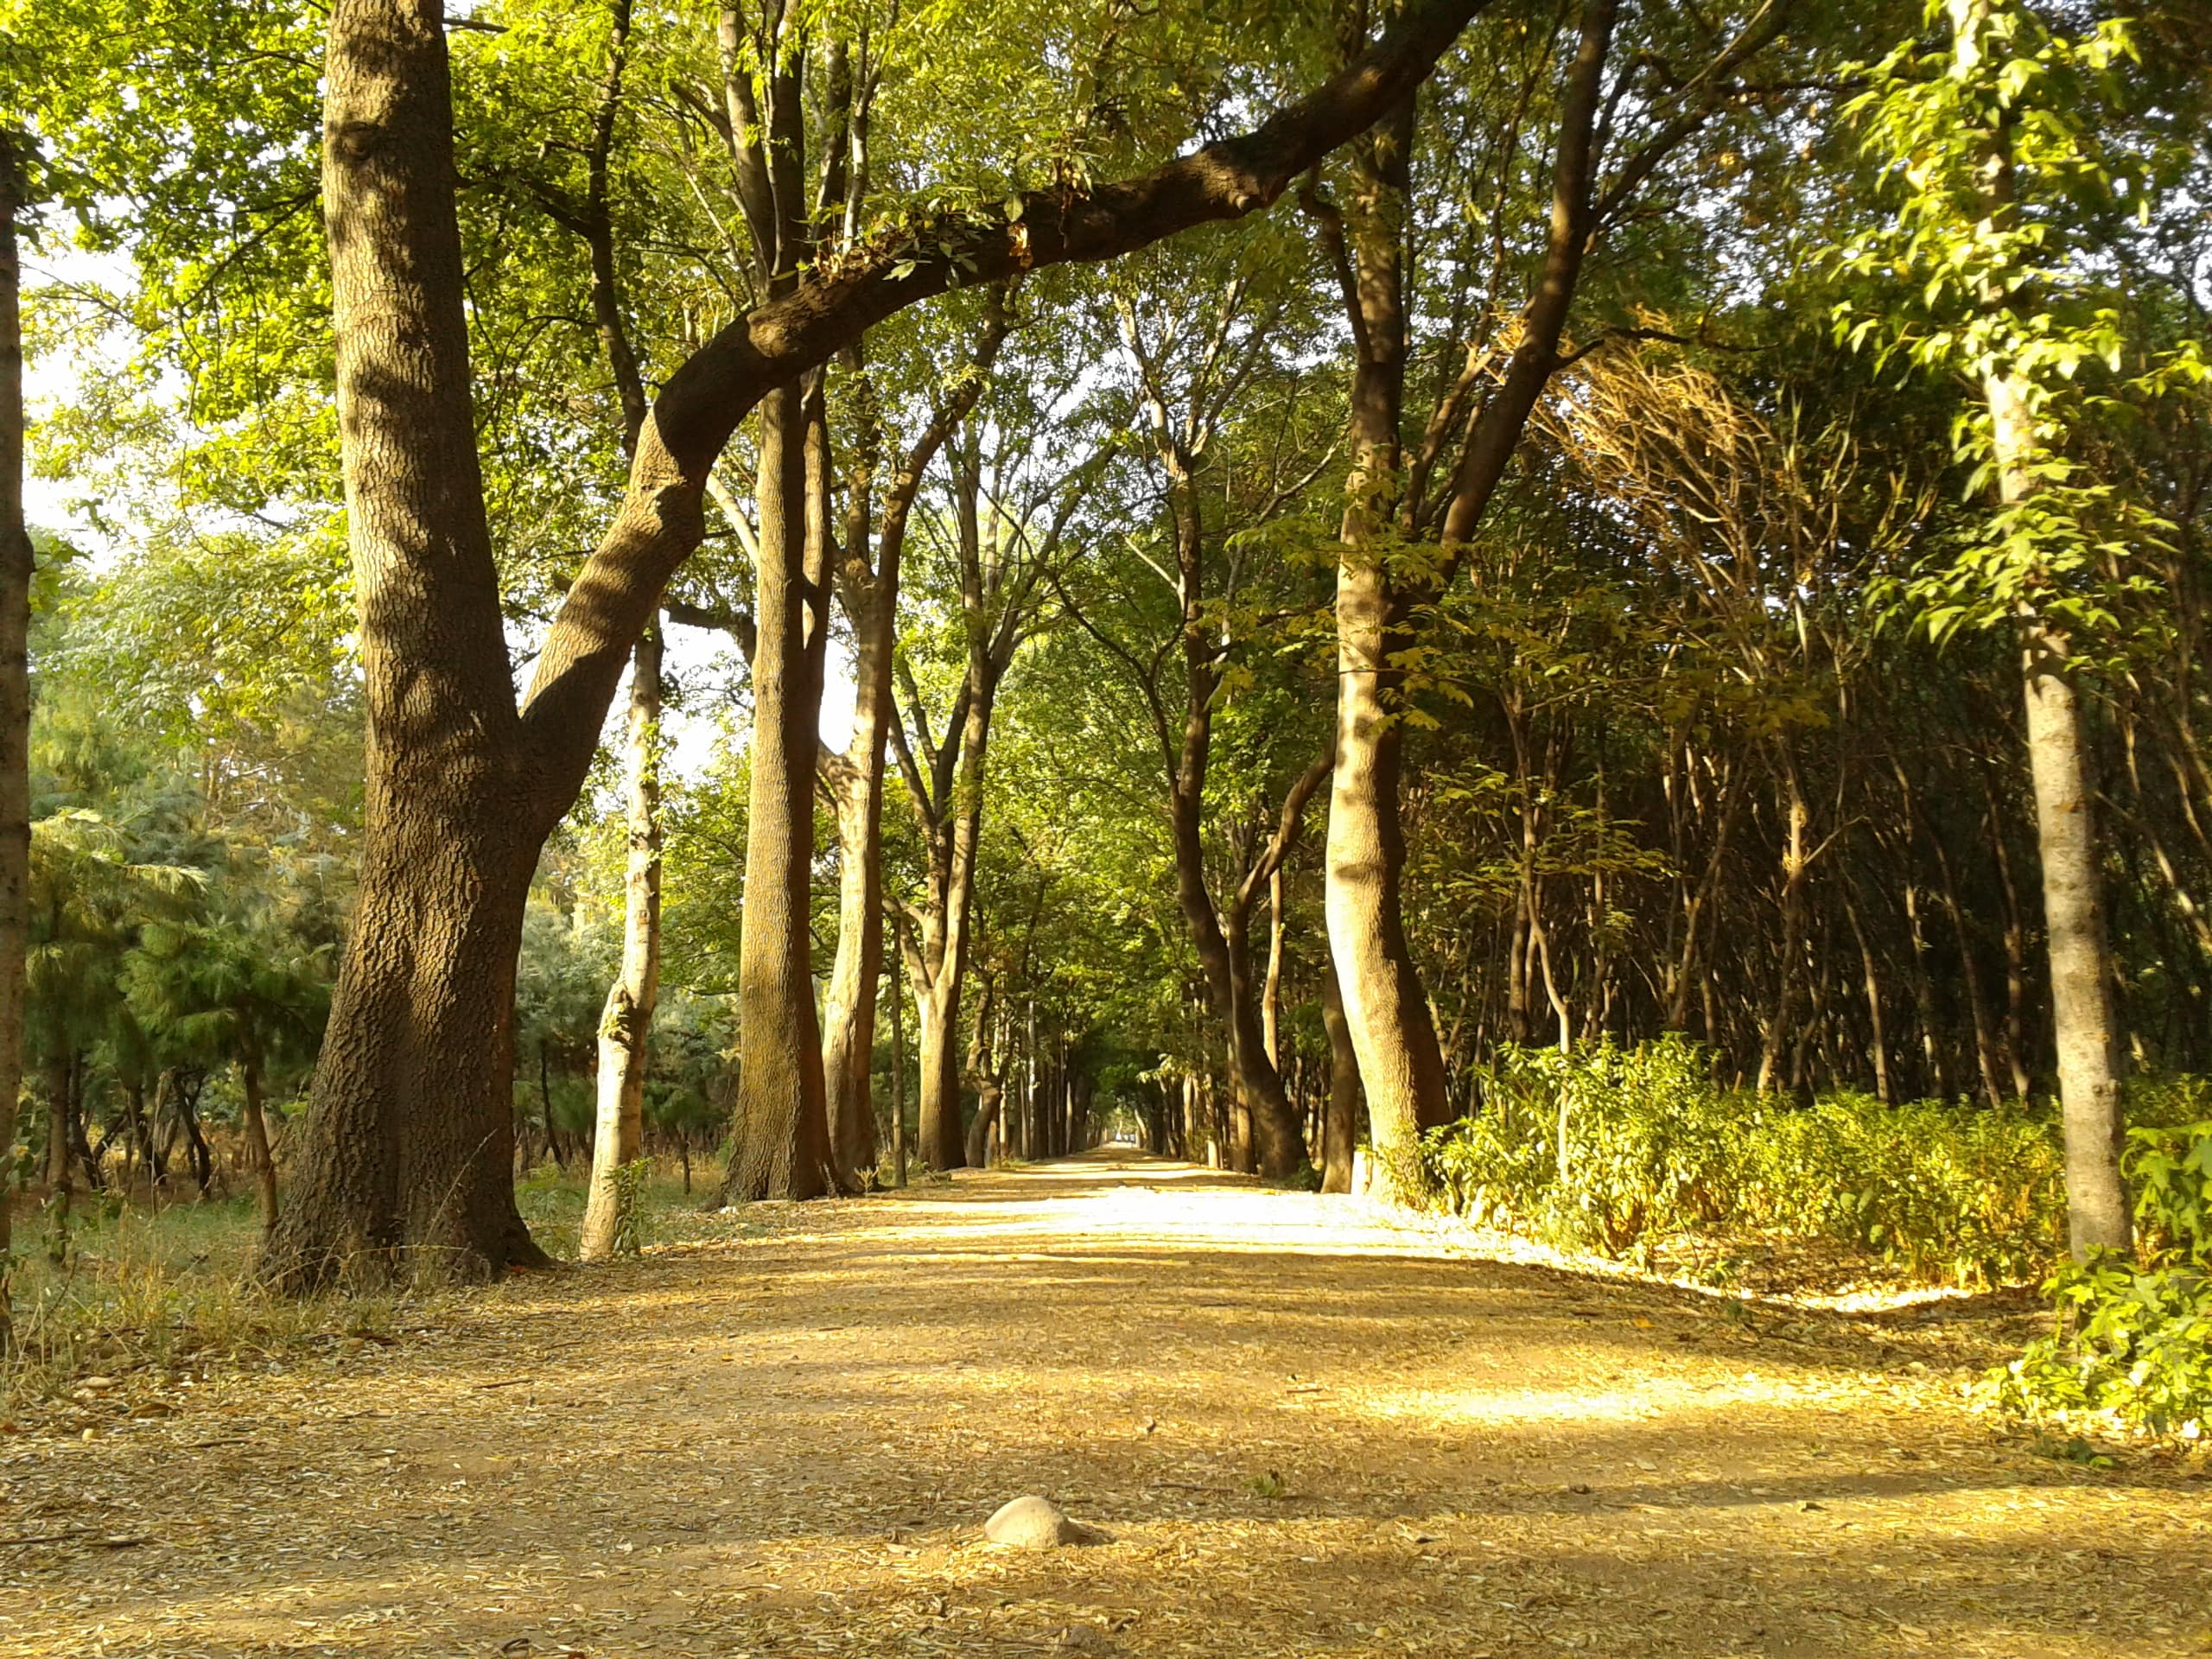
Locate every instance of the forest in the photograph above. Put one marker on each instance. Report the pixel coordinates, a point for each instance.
(937, 683)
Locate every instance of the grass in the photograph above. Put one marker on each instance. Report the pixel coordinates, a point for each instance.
(128, 1287)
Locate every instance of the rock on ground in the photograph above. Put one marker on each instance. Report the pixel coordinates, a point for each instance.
(1031, 1524)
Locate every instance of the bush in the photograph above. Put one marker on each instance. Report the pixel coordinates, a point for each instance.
(1614, 1149)
(2133, 1344)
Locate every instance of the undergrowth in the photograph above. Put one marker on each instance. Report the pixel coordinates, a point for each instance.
(1616, 1150)
(111, 1288)
(2130, 1351)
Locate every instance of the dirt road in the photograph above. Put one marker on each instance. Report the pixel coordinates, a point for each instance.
(1306, 1432)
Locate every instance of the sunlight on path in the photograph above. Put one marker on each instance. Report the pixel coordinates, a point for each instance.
(1306, 1431)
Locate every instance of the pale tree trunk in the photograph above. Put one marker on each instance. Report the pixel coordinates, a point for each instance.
(1401, 1064)
(15, 699)
(2080, 950)
(898, 1083)
(1776, 1027)
(625, 1024)
(1271, 993)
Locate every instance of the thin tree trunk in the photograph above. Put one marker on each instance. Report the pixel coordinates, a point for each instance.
(2083, 1024)
(1877, 1045)
(897, 1084)
(1271, 997)
(16, 570)
(625, 1024)
(1340, 1127)
(2080, 948)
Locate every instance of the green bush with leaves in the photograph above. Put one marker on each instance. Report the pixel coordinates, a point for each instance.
(2132, 1348)
(1613, 1150)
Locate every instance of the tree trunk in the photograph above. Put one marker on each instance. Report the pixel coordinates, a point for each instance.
(1271, 994)
(849, 1006)
(780, 1149)
(260, 1162)
(57, 1122)
(15, 562)
(626, 1026)
(2083, 1025)
(897, 1084)
(1401, 1064)
(1340, 1122)
(2081, 951)
(941, 1143)
(1774, 1029)
(408, 1146)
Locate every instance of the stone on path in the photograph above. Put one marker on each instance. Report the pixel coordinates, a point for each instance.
(1033, 1524)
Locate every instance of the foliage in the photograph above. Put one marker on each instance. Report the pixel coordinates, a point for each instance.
(1615, 1148)
(2132, 1348)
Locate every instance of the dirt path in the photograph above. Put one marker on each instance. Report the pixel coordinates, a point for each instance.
(1306, 1433)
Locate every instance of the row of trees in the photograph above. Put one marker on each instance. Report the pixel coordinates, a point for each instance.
(1563, 573)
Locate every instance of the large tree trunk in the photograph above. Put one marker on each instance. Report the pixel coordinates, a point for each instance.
(1401, 1064)
(14, 698)
(940, 1138)
(625, 1024)
(780, 1149)
(408, 1143)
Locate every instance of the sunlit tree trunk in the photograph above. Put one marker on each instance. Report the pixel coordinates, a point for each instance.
(626, 1026)
(2083, 1026)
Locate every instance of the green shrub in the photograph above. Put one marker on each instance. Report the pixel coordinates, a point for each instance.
(2133, 1343)
(1944, 1191)
(1613, 1150)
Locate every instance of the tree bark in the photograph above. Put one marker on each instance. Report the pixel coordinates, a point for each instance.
(408, 1144)
(2079, 949)
(897, 1084)
(260, 1161)
(16, 570)
(2083, 1025)
(1340, 1122)
(625, 1024)
(780, 1146)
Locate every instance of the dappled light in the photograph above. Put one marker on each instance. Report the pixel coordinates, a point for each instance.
(1305, 1428)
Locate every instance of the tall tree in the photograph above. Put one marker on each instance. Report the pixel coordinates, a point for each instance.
(15, 689)
(408, 1142)
(868, 589)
